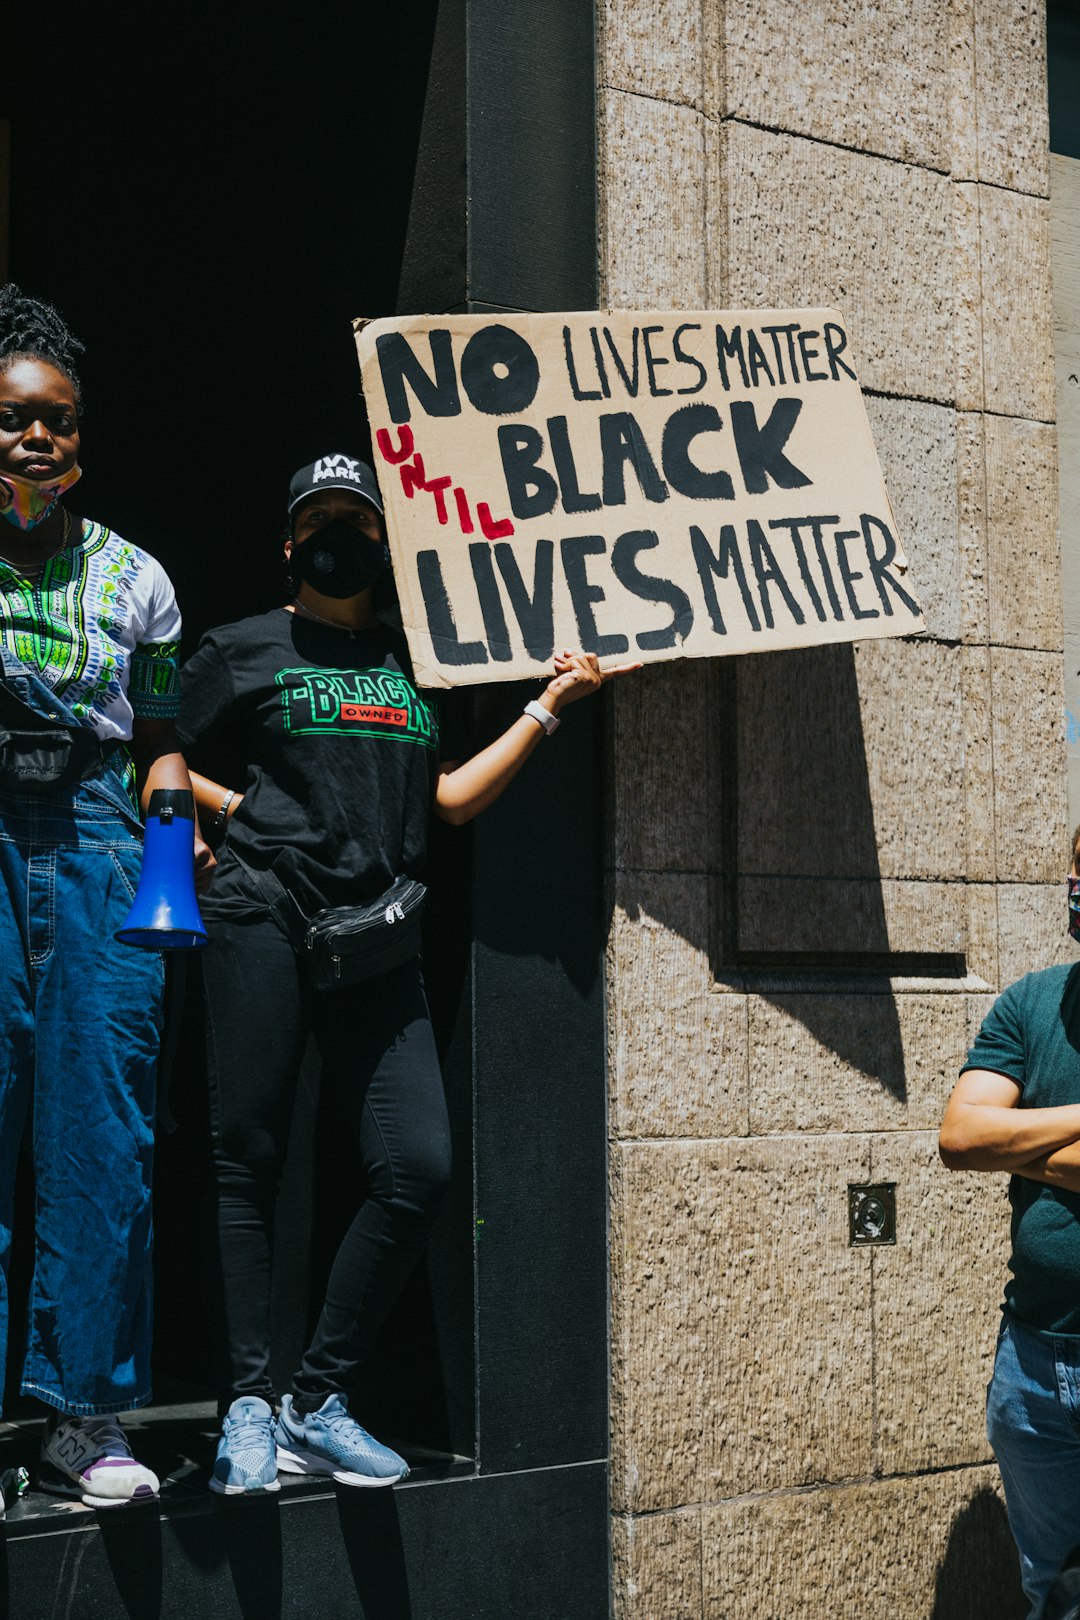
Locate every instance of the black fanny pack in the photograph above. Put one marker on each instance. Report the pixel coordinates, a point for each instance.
(36, 754)
(343, 945)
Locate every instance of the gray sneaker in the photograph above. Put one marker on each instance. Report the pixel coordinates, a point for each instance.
(89, 1457)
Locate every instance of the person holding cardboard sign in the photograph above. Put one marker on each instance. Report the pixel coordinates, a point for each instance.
(313, 924)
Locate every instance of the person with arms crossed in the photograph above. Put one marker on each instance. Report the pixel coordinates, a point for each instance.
(1016, 1109)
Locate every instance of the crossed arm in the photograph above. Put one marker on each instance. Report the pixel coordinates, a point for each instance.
(985, 1129)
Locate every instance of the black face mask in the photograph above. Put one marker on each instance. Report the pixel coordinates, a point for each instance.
(339, 561)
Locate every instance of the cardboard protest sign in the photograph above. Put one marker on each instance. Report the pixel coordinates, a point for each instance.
(638, 485)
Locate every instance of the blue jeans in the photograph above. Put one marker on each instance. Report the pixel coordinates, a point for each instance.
(1033, 1424)
(79, 1027)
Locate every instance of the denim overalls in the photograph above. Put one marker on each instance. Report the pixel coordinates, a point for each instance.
(79, 1030)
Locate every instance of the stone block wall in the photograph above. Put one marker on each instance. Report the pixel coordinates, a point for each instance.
(797, 1423)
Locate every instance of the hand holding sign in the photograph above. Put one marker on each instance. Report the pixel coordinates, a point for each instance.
(578, 674)
(669, 485)
(465, 787)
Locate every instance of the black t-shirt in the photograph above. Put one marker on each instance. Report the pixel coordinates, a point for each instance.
(336, 751)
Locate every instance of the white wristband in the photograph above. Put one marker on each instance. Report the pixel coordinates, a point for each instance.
(549, 721)
(223, 810)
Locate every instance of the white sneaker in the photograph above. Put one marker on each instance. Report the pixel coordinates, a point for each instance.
(89, 1457)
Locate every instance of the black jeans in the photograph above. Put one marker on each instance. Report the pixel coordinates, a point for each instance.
(378, 1056)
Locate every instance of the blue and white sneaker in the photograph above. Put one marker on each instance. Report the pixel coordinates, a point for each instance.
(246, 1455)
(330, 1441)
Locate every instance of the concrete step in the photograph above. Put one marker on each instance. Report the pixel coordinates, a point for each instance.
(449, 1544)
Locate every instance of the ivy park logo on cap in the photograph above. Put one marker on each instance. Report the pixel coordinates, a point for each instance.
(335, 472)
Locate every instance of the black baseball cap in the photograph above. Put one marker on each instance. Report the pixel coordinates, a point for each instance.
(335, 472)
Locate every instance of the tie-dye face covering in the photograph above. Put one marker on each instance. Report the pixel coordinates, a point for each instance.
(25, 502)
(1074, 908)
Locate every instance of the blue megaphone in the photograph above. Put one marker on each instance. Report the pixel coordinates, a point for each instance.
(165, 913)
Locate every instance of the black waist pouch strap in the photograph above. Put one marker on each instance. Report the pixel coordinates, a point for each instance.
(36, 753)
(343, 945)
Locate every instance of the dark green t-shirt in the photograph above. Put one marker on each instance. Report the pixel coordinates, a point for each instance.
(1032, 1035)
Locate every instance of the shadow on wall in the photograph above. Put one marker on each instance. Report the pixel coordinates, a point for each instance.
(755, 771)
(133, 1550)
(801, 839)
(979, 1578)
(794, 879)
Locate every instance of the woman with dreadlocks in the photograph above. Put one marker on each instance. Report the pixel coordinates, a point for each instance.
(89, 634)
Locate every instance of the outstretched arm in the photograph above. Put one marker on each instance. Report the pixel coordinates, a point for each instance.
(984, 1129)
(465, 787)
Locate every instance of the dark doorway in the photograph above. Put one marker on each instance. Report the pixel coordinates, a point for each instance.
(210, 194)
(200, 175)
(209, 204)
